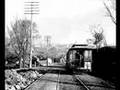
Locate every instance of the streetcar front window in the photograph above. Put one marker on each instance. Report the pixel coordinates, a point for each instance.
(74, 55)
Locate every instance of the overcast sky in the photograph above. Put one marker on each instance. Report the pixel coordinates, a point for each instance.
(67, 21)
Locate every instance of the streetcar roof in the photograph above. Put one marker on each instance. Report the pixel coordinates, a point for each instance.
(83, 48)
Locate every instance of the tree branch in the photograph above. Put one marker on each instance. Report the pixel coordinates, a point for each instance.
(110, 13)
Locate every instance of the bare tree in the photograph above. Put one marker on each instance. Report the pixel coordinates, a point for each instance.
(97, 32)
(110, 6)
(20, 39)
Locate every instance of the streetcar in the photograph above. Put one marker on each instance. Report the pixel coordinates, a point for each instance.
(79, 57)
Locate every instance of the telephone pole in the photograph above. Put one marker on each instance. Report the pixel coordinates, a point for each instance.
(47, 40)
(31, 8)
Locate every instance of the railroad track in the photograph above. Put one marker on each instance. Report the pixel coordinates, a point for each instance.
(88, 85)
(41, 79)
(82, 83)
(58, 80)
(34, 81)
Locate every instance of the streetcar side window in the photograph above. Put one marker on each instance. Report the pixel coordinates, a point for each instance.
(87, 55)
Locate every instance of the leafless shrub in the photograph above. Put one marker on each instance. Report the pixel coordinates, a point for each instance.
(97, 32)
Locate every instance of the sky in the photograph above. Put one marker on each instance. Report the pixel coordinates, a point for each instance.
(67, 21)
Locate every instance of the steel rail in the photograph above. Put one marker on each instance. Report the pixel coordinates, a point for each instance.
(37, 79)
(34, 81)
(87, 88)
(57, 86)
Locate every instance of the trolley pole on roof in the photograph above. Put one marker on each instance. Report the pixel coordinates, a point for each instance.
(31, 8)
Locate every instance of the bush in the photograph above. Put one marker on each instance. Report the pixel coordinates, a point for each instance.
(19, 80)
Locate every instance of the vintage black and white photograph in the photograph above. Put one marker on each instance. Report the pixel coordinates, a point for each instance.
(60, 45)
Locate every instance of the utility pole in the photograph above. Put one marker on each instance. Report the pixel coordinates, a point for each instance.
(47, 40)
(31, 8)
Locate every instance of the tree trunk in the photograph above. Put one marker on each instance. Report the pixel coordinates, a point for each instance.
(20, 62)
(23, 61)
